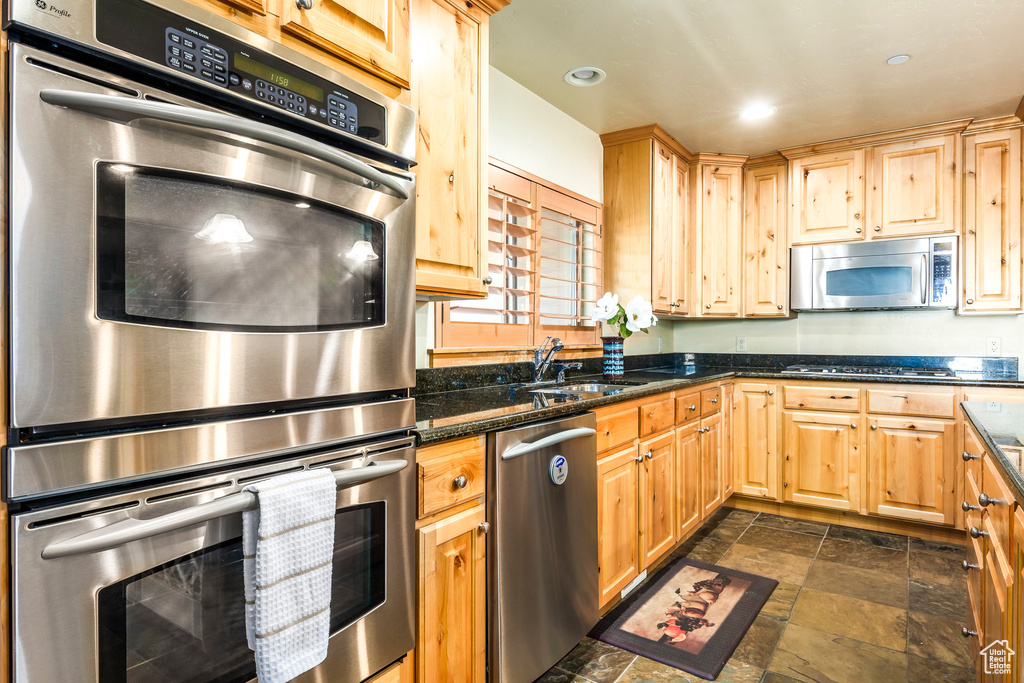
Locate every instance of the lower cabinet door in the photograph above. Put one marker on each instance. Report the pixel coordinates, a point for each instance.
(996, 611)
(452, 642)
(688, 503)
(821, 453)
(1016, 619)
(911, 470)
(657, 498)
(618, 487)
(711, 464)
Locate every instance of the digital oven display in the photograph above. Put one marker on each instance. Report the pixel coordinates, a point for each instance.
(280, 78)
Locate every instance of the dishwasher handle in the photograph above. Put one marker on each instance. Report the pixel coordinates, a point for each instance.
(541, 444)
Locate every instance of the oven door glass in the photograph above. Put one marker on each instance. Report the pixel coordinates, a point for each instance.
(184, 621)
(195, 251)
(890, 281)
(877, 281)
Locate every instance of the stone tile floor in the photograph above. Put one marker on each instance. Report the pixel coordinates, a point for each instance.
(852, 606)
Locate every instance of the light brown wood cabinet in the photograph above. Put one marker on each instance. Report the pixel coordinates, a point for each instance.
(755, 439)
(911, 469)
(689, 510)
(992, 222)
(373, 34)
(765, 243)
(827, 197)
(821, 459)
(915, 187)
(647, 218)
(449, 93)
(718, 235)
(712, 494)
(618, 491)
(657, 497)
(1016, 616)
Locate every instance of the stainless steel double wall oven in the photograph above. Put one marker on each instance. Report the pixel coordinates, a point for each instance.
(210, 268)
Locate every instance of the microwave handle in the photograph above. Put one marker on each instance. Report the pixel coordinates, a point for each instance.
(128, 530)
(924, 279)
(130, 109)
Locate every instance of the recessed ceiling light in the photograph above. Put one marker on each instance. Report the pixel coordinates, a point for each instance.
(584, 76)
(897, 59)
(758, 111)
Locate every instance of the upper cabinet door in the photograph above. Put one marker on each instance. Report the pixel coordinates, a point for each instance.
(766, 265)
(915, 188)
(373, 34)
(447, 48)
(662, 231)
(681, 233)
(828, 197)
(992, 221)
(720, 229)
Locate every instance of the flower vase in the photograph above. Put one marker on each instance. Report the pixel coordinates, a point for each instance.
(613, 364)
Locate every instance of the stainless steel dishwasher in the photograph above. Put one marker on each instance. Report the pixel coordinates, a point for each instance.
(542, 548)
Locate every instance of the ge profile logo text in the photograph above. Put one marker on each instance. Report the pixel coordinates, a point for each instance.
(41, 4)
(44, 6)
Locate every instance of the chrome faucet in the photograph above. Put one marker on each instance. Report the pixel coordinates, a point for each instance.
(562, 367)
(542, 357)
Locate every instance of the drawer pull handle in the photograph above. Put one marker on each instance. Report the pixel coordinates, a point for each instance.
(967, 633)
(984, 501)
(968, 566)
(304, 4)
(967, 507)
(977, 533)
(969, 457)
(692, 407)
(484, 527)
(714, 400)
(460, 481)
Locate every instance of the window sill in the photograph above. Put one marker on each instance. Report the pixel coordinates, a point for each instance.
(440, 358)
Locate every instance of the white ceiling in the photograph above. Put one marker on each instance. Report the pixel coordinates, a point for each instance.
(692, 65)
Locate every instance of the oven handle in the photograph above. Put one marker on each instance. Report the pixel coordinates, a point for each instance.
(131, 109)
(126, 531)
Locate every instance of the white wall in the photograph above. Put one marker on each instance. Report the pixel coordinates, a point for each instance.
(531, 134)
(877, 333)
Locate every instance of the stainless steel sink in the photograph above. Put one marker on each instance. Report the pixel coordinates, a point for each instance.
(588, 388)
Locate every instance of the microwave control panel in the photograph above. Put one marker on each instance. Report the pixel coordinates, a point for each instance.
(943, 272)
(221, 61)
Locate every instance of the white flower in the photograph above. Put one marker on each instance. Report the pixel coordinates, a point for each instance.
(606, 307)
(639, 315)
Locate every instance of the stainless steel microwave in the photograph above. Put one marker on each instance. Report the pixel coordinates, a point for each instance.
(890, 274)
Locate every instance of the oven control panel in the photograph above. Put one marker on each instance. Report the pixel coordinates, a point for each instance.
(943, 273)
(221, 61)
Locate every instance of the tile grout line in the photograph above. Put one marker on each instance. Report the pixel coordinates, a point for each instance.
(624, 671)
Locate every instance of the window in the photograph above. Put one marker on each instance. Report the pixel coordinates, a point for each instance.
(545, 264)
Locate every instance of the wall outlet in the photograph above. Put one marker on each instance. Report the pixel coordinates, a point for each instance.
(993, 407)
(741, 344)
(993, 346)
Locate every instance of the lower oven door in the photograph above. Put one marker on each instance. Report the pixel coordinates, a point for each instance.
(177, 258)
(169, 608)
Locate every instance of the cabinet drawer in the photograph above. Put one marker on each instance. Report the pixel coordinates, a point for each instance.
(975, 557)
(616, 428)
(710, 401)
(923, 403)
(822, 398)
(1000, 513)
(656, 416)
(687, 407)
(439, 469)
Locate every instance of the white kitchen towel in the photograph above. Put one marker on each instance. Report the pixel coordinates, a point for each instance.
(288, 548)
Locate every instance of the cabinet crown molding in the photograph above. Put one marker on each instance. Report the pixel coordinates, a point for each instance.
(933, 129)
(995, 123)
(773, 159)
(651, 130)
(720, 159)
(489, 6)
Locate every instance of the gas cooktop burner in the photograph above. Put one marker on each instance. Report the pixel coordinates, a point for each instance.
(867, 370)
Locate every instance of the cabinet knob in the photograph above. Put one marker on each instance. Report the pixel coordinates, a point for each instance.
(967, 633)
(488, 280)
(714, 400)
(692, 407)
(484, 527)
(639, 458)
(853, 425)
(771, 392)
(967, 566)
(970, 301)
(874, 427)
(451, 177)
(304, 4)
(649, 456)
(878, 228)
(984, 501)
(460, 481)
(707, 306)
(977, 533)
(675, 305)
(969, 457)
(858, 230)
(780, 307)
(785, 484)
(967, 507)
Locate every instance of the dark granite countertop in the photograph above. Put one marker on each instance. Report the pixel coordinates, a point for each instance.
(505, 400)
(1001, 427)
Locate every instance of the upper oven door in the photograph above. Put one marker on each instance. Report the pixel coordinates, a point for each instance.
(893, 281)
(172, 258)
